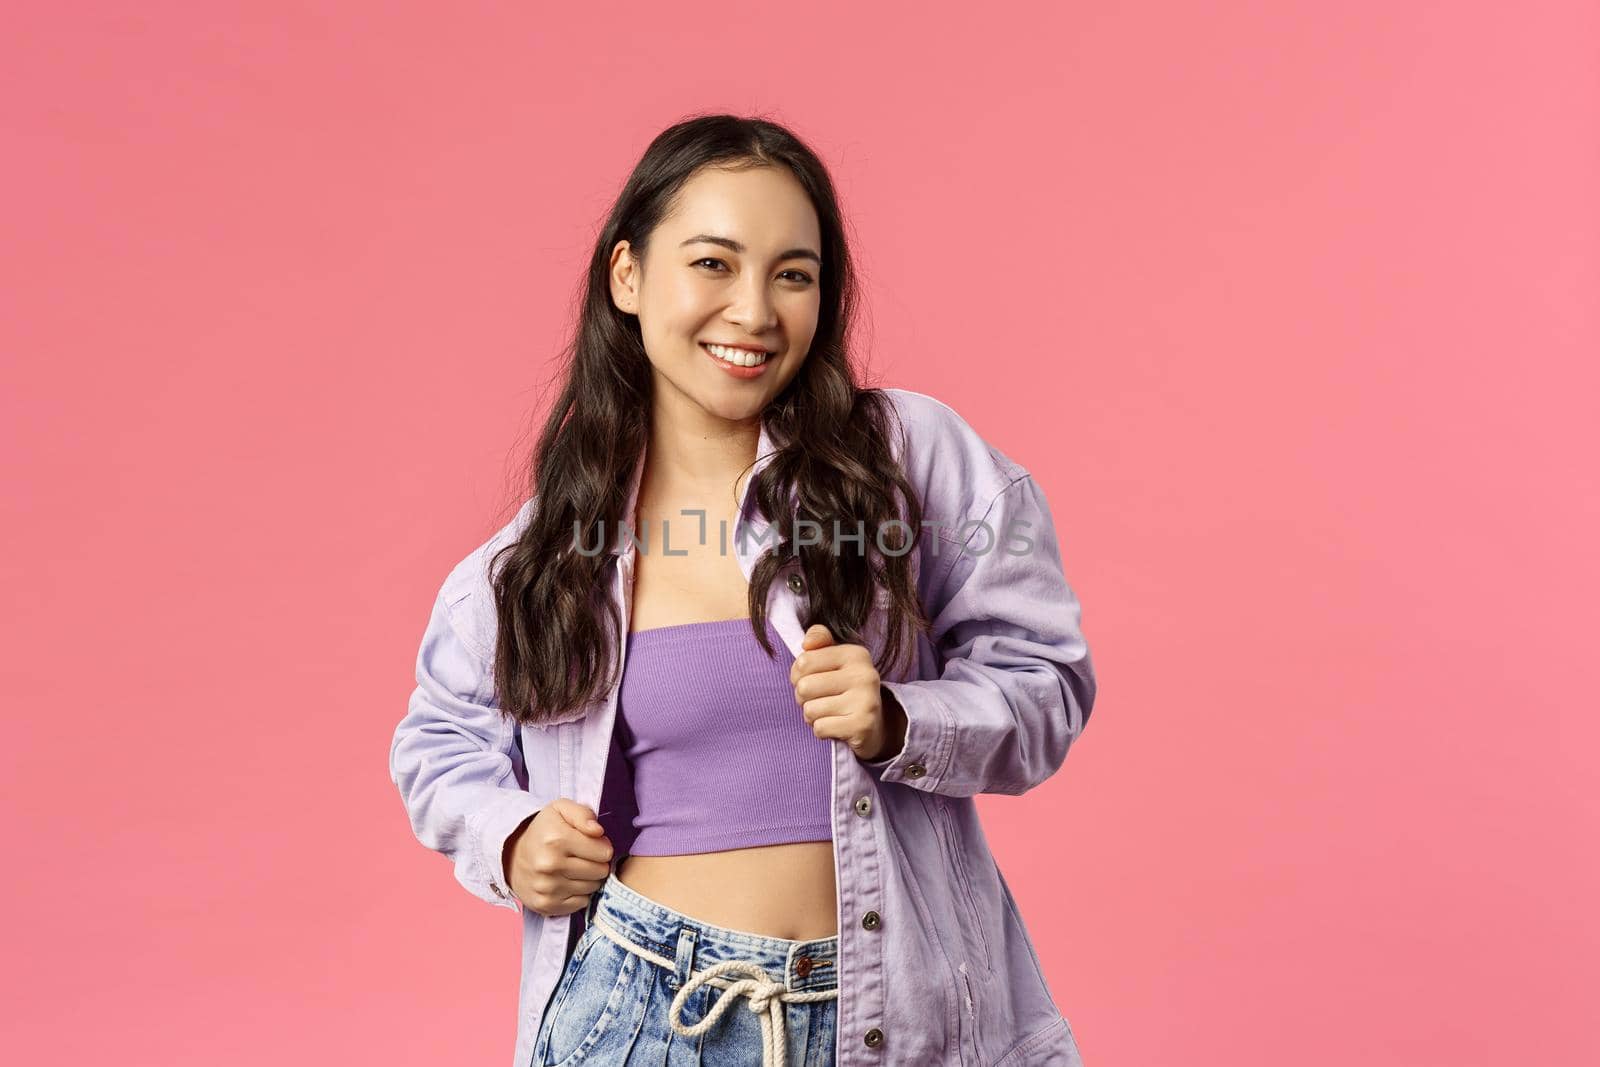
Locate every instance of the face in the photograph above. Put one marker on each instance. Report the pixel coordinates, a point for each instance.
(735, 263)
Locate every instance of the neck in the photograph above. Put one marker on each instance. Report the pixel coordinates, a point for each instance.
(697, 458)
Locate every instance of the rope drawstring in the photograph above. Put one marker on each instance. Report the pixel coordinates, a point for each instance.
(766, 997)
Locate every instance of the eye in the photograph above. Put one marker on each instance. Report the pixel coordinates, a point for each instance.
(799, 275)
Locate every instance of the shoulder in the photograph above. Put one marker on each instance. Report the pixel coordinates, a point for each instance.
(468, 591)
(950, 463)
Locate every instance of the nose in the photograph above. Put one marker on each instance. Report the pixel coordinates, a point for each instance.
(752, 308)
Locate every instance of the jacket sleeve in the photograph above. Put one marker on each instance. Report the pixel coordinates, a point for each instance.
(456, 761)
(1017, 682)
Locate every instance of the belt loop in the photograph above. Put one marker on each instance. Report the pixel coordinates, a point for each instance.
(688, 936)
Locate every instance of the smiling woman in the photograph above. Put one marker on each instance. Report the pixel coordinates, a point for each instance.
(748, 317)
(750, 772)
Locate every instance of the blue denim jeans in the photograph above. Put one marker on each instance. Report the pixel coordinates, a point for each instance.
(640, 966)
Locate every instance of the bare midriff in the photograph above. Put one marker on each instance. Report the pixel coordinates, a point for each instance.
(772, 890)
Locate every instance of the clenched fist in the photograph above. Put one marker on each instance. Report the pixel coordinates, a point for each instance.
(557, 859)
(841, 696)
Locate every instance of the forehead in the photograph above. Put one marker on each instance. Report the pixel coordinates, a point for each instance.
(762, 206)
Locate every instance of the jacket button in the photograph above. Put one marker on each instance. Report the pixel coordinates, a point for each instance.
(915, 770)
(871, 921)
(863, 806)
(796, 583)
(873, 1037)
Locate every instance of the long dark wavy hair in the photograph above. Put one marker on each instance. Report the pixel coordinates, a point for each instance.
(557, 627)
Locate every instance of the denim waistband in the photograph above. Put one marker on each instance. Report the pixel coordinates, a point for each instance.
(686, 944)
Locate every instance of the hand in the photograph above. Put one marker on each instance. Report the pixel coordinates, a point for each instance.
(842, 696)
(558, 858)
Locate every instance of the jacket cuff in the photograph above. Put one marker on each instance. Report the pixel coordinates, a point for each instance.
(930, 737)
(510, 810)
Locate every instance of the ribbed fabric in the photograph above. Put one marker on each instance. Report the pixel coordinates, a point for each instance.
(721, 754)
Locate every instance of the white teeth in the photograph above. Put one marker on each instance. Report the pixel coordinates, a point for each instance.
(737, 356)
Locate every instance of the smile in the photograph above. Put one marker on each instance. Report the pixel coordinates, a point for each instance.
(739, 357)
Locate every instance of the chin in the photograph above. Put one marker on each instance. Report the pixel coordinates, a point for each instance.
(741, 409)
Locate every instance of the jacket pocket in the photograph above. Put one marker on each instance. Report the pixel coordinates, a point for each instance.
(956, 861)
(921, 972)
(969, 1021)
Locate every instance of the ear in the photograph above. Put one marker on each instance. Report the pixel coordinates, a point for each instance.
(624, 278)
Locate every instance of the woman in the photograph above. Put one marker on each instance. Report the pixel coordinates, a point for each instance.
(728, 681)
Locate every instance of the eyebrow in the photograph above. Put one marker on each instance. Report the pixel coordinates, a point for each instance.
(731, 244)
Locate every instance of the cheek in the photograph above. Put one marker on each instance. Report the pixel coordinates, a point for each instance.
(672, 310)
(687, 301)
(800, 316)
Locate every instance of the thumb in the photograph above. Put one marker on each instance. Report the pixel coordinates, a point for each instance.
(579, 816)
(817, 636)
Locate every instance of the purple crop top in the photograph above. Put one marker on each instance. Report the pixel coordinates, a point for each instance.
(721, 754)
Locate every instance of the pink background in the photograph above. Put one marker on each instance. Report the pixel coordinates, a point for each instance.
(1290, 307)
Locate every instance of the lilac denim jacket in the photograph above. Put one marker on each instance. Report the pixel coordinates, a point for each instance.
(948, 974)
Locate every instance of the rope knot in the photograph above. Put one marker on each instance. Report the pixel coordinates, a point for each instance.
(766, 997)
(760, 995)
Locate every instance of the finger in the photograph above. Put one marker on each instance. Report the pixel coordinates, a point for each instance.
(824, 707)
(836, 727)
(823, 684)
(595, 849)
(577, 893)
(817, 660)
(578, 816)
(816, 636)
(577, 868)
(571, 905)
